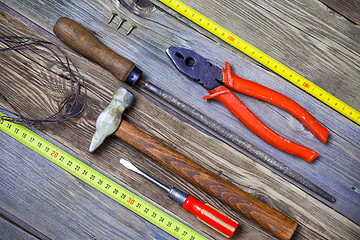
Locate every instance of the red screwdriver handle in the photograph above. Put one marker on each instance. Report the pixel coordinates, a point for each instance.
(238, 108)
(211, 217)
(258, 91)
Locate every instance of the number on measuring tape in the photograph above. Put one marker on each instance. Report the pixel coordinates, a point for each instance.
(264, 59)
(97, 180)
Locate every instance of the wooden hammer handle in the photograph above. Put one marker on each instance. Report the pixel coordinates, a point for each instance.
(84, 42)
(250, 207)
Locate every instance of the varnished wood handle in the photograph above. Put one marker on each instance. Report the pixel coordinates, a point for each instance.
(266, 217)
(84, 42)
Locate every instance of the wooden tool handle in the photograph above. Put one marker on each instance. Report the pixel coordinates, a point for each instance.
(84, 42)
(250, 207)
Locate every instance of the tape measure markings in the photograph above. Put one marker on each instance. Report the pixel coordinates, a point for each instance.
(264, 59)
(99, 181)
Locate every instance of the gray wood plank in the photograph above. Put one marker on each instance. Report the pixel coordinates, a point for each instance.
(349, 9)
(155, 33)
(99, 102)
(10, 231)
(12, 225)
(60, 206)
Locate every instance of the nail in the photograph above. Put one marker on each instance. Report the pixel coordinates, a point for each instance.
(112, 17)
(120, 23)
(130, 29)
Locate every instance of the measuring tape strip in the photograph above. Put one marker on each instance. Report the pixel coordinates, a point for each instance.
(264, 59)
(97, 180)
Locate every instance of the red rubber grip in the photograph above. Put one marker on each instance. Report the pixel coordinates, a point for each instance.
(211, 217)
(239, 110)
(258, 91)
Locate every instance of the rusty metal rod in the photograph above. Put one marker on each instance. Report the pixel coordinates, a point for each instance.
(80, 39)
(235, 139)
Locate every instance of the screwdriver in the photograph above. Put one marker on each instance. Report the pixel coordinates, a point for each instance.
(203, 211)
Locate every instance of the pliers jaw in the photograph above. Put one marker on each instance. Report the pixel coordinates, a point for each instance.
(196, 67)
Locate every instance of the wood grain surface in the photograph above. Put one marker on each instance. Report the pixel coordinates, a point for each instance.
(305, 36)
(250, 207)
(349, 9)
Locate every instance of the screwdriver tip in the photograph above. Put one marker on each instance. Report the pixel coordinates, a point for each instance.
(128, 165)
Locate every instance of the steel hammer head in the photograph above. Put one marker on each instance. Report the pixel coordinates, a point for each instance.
(109, 120)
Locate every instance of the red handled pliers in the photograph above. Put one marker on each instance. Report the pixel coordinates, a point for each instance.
(218, 81)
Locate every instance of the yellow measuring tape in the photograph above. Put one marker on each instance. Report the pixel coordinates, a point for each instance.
(99, 181)
(264, 59)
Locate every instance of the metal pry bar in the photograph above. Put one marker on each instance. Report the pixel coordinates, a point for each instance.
(67, 30)
(235, 139)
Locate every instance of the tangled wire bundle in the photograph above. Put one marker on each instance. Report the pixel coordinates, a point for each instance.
(72, 106)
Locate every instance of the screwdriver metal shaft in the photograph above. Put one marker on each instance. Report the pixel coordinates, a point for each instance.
(131, 167)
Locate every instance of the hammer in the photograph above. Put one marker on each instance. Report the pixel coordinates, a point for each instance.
(108, 122)
(81, 40)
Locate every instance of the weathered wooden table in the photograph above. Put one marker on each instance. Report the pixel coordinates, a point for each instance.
(40, 200)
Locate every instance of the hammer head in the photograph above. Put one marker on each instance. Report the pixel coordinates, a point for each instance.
(109, 120)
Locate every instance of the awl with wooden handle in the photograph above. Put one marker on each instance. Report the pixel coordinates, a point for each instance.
(86, 44)
(81, 40)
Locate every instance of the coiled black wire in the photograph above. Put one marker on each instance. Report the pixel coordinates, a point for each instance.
(72, 105)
